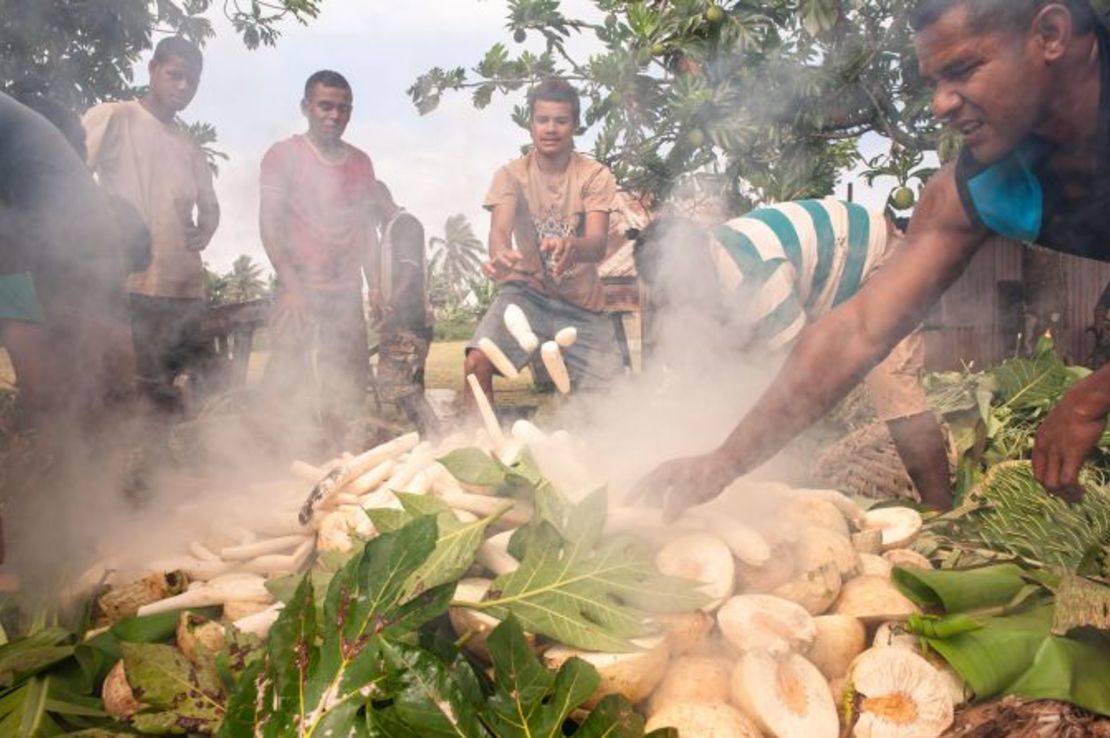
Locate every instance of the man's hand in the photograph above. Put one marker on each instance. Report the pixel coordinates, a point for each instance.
(195, 239)
(682, 483)
(291, 311)
(1067, 437)
(563, 254)
(502, 266)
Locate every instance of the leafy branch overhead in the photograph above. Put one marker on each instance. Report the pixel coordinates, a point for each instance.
(101, 42)
(768, 100)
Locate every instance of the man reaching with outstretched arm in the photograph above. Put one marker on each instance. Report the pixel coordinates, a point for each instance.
(772, 271)
(1027, 83)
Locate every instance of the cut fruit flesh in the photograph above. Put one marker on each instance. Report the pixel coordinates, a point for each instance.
(900, 695)
(899, 525)
(766, 623)
(703, 558)
(786, 695)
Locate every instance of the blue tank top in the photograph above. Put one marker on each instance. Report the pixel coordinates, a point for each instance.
(1019, 197)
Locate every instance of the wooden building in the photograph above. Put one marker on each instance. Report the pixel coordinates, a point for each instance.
(980, 320)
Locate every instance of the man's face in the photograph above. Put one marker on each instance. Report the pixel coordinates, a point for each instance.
(328, 110)
(174, 82)
(553, 126)
(990, 87)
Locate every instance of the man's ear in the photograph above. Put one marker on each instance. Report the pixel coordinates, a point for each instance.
(1053, 27)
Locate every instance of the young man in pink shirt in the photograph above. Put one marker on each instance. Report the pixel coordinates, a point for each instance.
(317, 229)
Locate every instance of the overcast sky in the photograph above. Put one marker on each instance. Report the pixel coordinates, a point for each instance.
(436, 165)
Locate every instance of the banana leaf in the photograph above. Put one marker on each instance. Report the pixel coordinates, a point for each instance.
(999, 639)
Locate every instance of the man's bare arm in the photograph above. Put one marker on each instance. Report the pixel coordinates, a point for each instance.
(502, 256)
(836, 351)
(591, 247)
(272, 227)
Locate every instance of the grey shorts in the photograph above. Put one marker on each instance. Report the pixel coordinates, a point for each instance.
(592, 362)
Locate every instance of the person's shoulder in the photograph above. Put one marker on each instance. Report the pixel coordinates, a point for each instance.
(516, 168)
(357, 156)
(285, 146)
(123, 108)
(588, 165)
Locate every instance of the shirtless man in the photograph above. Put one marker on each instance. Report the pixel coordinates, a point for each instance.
(1027, 83)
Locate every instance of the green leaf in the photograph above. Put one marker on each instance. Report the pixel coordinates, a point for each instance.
(1018, 654)
(23, 711)
(33, 654)
(320, 673)
(1031, 383)
(456, 546)
(579, 597)
(179, 696)
(474, 466)
(614, 717)
(529, 701)
(428, 697)
(961, 591)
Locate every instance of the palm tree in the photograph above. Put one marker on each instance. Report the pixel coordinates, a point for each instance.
(457, 256)
(215, 286)
(244, 281)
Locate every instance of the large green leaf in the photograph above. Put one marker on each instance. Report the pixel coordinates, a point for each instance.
(1001, 641)
(456, 546)
(179, 696)
(320, 673)
(428, 696)
(529, 701)
(1035, 383)
(594, 599)
(967, 590)
(475, 467)
(1018, 654)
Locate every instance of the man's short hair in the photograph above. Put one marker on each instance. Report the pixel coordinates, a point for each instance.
(179, 47)
(327, 78)
(555, 89)
(1000, 15)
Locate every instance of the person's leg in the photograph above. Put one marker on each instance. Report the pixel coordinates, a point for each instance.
(492, 327)
(900, 402)
(342, 361)
(152, 331)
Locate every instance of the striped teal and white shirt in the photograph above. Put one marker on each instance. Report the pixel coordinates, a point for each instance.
(793, 262)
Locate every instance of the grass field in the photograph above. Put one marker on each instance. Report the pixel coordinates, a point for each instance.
(443, 371)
